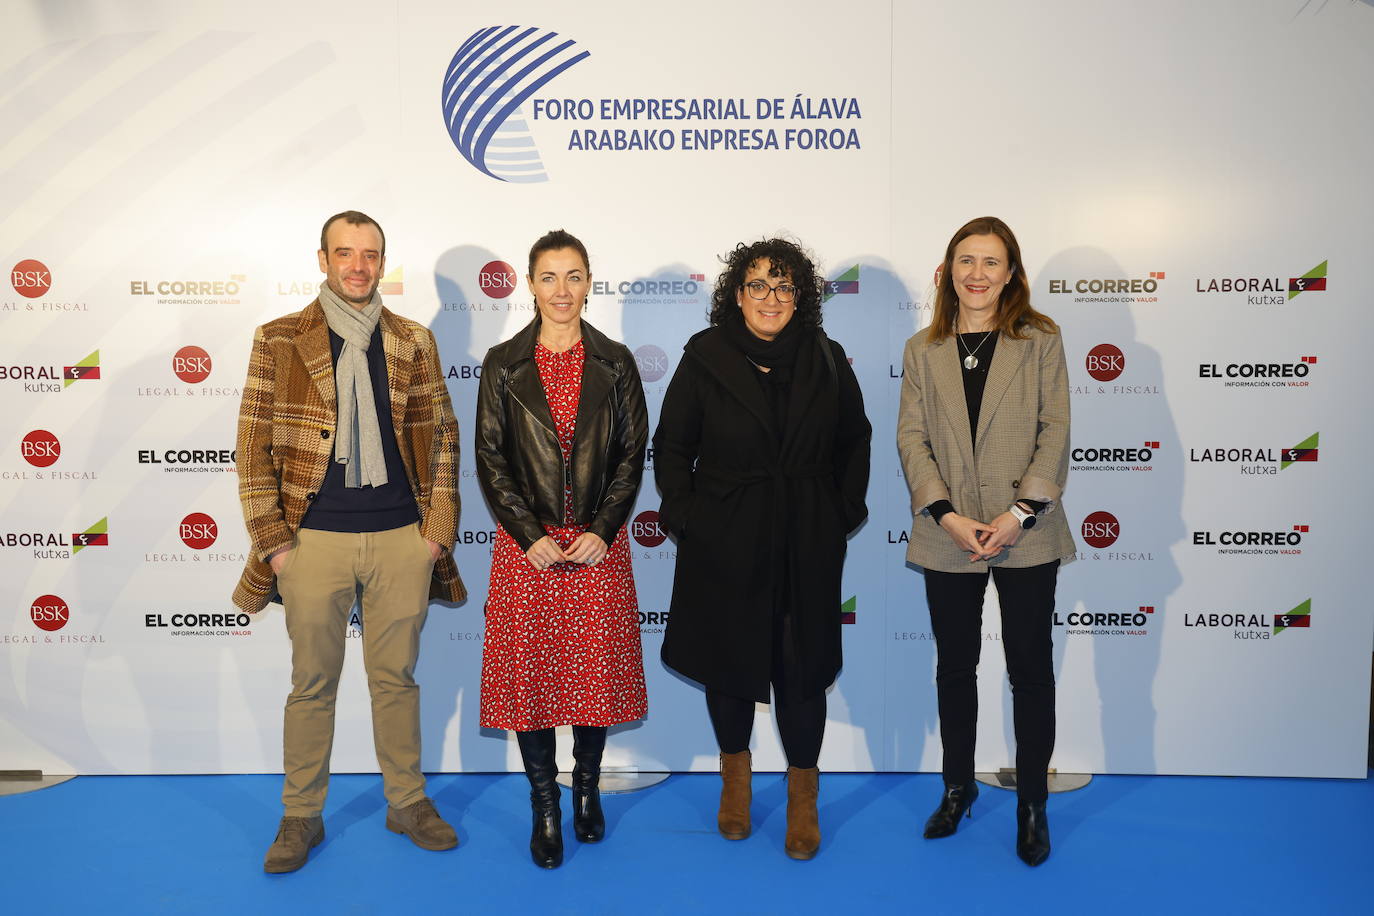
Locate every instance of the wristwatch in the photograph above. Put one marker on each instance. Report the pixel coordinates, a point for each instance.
(1023, 518)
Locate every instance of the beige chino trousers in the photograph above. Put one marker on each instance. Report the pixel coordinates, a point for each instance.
(319, 583)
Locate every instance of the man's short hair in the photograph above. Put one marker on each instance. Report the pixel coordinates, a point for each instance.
(354, 218)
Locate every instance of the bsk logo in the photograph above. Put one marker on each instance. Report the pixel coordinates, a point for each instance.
(40, 448)
(191, 364)
(1105, 362)
(493, 73)
(652, 362)
(497, 279)
(646, 530)
(31, 278)
(198, 531)
(1101, 529)
(49, 612)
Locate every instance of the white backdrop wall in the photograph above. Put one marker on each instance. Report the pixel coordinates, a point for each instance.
(1184, 178)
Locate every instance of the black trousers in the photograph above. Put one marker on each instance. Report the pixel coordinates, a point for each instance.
(801, 720)
(956, 617)
(801, 725)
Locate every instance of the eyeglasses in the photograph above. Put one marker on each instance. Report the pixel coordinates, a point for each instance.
(785, 292)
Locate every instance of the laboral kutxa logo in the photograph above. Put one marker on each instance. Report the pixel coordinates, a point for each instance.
(58, 545)
(846, 284)
(1267, 290)
(488, 80)
(37, 378)
(1258, 460)
(393, 284)
(1252, 624)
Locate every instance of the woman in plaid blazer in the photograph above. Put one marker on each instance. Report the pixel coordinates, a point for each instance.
(983, 432)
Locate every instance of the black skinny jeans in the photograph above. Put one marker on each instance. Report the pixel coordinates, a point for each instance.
(956, 617)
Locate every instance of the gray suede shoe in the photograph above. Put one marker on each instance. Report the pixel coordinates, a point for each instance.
(295, 838)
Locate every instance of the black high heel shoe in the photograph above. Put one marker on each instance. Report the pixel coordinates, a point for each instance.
(1032, 833)
(957, 802)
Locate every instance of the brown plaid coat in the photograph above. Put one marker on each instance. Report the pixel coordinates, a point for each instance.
(1023, 446)
(289, 405)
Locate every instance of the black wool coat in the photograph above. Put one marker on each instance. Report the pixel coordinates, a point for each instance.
(758, 524)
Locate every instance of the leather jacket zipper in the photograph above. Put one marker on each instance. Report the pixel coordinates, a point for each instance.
(567, 468)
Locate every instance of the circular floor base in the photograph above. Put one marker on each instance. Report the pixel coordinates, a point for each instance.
(1059, 782)
(619, 780)
(30, 783)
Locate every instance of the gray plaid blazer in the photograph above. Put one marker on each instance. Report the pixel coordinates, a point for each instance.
(1023, 446)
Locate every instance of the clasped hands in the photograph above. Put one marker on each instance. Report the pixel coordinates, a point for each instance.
(587, 550)
(982, 541)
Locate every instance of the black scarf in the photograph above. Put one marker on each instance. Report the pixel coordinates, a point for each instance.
(797, 369)
(780, 352)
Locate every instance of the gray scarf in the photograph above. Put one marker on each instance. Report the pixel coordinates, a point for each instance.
(358, 442)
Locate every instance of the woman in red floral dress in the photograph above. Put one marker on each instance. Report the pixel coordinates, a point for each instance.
(561, 430)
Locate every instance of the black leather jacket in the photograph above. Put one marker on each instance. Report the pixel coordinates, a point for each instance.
(519, 463)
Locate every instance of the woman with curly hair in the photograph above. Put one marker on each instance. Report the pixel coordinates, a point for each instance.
(761, 455)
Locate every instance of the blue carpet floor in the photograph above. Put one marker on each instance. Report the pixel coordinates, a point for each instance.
(1124, 844)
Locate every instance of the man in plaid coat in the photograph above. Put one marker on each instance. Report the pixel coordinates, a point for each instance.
(347, 462)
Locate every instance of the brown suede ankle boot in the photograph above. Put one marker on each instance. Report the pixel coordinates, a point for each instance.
(803, 824)
(736, 793)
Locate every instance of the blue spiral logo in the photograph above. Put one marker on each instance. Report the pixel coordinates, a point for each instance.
(492, 74)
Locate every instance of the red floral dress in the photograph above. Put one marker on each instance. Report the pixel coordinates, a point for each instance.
(562, 645)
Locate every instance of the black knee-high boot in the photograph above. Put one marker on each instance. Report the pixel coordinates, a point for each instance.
(546, 835)
(589, 824)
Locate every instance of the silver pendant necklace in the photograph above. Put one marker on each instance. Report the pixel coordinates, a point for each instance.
(971, 360)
